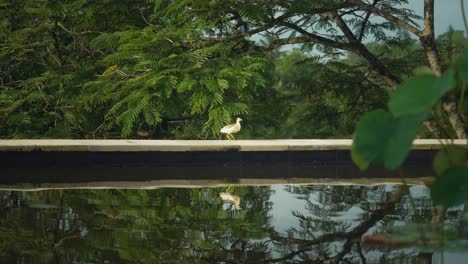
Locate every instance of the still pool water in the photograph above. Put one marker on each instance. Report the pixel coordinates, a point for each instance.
(233, 224)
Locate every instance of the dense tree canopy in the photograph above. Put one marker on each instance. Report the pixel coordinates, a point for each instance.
(183, 69)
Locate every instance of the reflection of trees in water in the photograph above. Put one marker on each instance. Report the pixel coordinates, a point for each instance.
(336, 217)
(191, 225)
(167, 225)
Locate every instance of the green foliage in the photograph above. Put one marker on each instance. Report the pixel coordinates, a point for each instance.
(326, 97)
(451, 188)
(183, 225)
(450, 156)
(384, 139)
(46, 58)
(206, 81)
(462, 67)
(417, 95)
(451, 45)
(183, 69)
(130, 226)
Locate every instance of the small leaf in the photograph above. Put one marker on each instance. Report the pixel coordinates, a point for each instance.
(382, 139)
(416, 96)
(399, 144)
(451, 156)
(372, 133)
(451, 188)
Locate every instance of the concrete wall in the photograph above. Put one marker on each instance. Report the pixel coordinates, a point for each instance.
(149, 162)
(198, 145)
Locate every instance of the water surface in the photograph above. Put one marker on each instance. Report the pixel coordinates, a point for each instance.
(269, 224)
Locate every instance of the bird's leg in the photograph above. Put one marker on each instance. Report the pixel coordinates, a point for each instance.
(229, 189)
(229, 136)
(233, 138)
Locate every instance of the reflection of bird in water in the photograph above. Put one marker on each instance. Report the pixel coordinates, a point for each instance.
(230, 129)
(231, 199)
(229, 189)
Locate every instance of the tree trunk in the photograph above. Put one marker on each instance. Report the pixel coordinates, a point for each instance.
(457, 123)
(428, 42)
(430, 47)
(427, 38)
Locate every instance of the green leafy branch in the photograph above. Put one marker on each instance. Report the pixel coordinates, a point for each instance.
(385, 137)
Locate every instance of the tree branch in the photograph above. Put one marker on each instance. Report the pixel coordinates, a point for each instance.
(330, 7)
(60, 242)
(361, 49)
(57, 45)
(346, 249)
(359, 249)
(364, 23)
(280, 42)
(358, 231)
(344, 27)
(318, 39)
(77, 33)
(178, 119)
(269, 25)
(144, 18)
(280, 20)
(387, 16)
(322, 239)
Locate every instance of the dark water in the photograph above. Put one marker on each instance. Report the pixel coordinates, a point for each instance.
(270, 224)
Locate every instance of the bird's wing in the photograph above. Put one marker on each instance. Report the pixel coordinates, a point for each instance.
(228, 128)
(227, 197)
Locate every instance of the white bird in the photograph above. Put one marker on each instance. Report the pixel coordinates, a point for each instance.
(231, 199)
(231, 129)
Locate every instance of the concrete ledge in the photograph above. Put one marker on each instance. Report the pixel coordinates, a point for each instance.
(192, 163)
(156, 184)
(66, 145)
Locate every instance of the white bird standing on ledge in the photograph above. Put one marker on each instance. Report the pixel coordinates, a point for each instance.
(230, 129)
